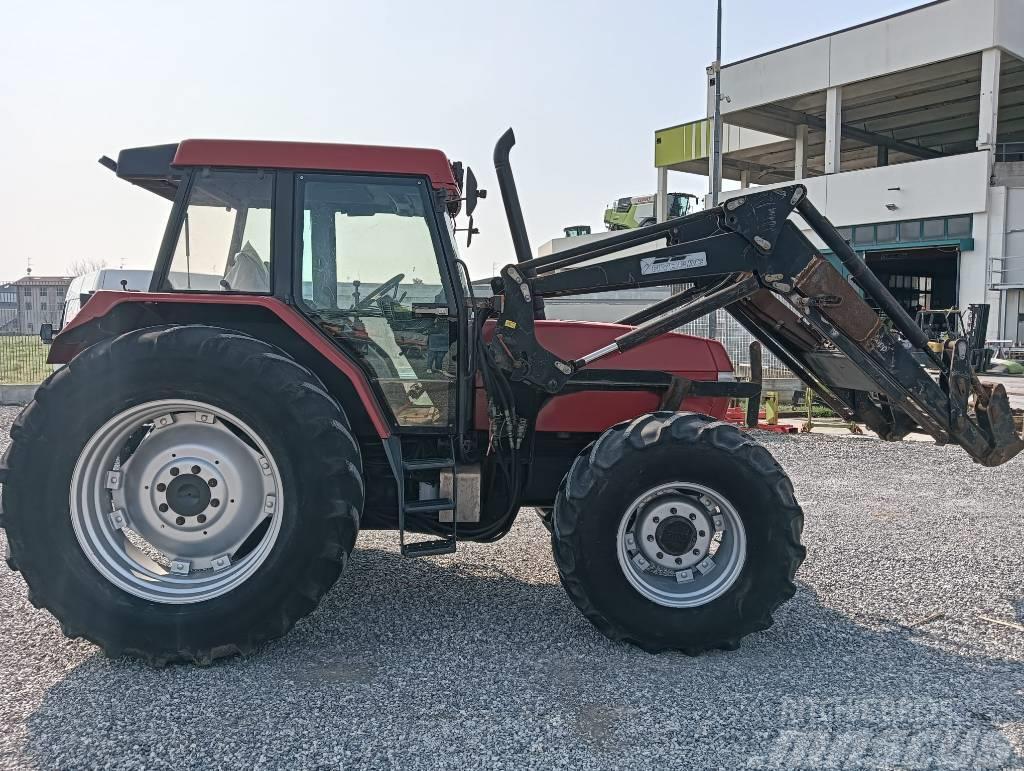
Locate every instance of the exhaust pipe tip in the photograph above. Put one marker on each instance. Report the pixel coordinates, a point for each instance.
(503, 147)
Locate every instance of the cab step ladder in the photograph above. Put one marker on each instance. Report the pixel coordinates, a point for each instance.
(433, 546)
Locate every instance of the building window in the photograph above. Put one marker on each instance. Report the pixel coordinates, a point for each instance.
(934, 228)
(864, 234)
(28, 304)
(886, 233)
(910, 231)
(958, 226)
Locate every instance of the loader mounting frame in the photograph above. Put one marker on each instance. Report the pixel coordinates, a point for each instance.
(748, 257)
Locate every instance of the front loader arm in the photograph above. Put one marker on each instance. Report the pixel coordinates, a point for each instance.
(748, 257)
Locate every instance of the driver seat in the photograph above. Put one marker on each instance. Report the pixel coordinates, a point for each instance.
(246, 272)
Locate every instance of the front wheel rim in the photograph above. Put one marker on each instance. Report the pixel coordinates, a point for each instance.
(176, 501)
(681, 544)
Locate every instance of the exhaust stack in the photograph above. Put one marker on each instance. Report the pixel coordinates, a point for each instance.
(514, 210)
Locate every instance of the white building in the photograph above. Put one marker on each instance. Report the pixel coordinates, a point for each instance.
(908, 132)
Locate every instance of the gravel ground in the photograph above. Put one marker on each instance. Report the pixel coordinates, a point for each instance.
(479, 659)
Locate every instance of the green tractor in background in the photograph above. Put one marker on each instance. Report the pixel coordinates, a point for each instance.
(638, 211)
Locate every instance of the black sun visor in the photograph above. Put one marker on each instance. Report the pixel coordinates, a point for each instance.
(148, 167)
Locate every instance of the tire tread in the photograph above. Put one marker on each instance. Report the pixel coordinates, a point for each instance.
(594, 466)
(320, 420)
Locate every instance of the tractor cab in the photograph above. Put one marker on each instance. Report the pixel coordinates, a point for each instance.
(362, 245)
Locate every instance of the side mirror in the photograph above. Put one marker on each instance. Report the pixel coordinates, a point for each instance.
(473, 192)
(470, 232)
(46, 333)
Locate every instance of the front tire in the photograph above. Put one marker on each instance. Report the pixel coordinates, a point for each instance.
(181, 494)
(676, 531)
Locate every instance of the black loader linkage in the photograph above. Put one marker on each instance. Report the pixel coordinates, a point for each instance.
(747, 257)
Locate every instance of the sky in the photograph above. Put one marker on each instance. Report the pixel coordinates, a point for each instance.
(584, 84)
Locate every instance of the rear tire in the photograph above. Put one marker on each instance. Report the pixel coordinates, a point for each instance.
(282, 412)
(709, 472)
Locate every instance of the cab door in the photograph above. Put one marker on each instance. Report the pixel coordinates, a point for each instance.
(375, 278)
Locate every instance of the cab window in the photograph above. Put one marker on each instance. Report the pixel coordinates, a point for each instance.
(224, 242)
(371, 278)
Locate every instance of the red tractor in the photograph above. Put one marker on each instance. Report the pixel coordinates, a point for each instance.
(312, 359)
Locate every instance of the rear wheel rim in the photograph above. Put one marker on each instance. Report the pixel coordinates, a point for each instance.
(681, 544)
(176, 501)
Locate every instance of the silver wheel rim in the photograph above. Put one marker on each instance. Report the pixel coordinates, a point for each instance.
(658, 525)
(176, 501)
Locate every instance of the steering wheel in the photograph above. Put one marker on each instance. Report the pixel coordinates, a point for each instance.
(389, 285)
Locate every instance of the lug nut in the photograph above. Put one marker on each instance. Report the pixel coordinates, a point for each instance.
(650, 538)
(180, 520)
(174, 471)
(702, 533)
(696, 552)
(212, 483)
(201, 518)
(161, 487)
(215, 503)
(673, 509)
(196, 469)
(679, 560)
(660, 555)
(657, 519)
(162, 507)
(692, 515)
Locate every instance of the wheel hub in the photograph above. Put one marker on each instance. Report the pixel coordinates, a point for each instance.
(188, 495)
(681, 544)
(675, 536)
(673, 532)
(176, 501)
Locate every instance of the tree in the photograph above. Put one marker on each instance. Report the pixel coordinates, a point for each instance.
(86, 265)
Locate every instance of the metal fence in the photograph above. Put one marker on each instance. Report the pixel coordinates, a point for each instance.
(616, 305)
(724, 328)
(22, 353)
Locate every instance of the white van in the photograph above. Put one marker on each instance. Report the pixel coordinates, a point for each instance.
(106, 278)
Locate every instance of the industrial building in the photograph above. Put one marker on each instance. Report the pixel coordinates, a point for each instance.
(908, 132)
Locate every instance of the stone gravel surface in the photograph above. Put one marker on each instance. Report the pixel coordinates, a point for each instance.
(478, 660)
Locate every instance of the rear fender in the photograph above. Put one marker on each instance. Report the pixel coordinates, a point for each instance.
(108, 314)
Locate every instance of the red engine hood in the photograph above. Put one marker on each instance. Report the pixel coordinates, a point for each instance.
(674, 352)
(695, 358)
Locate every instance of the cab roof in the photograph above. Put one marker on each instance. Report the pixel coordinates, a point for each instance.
(154, 167)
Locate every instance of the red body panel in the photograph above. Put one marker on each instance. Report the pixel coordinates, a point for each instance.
(63, 349)
(692, 357)
(318, 156)
(695, 358)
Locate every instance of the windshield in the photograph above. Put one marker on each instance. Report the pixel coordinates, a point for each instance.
(680, 206)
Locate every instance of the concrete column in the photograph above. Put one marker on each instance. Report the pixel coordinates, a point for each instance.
(710, 129)
(833, 128)
(995, 251)
(745, 178)
(661, 201)
(994, 219)
(988, 116)
(800, 150)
